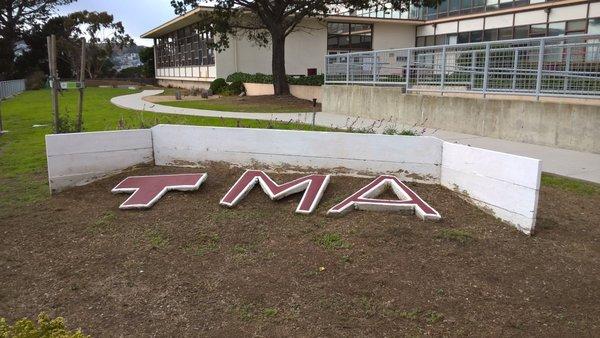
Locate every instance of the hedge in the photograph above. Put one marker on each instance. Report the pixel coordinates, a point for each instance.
(314, 80)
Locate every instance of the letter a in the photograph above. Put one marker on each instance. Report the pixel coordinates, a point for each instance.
(313, 186)
(147, 190)
(364, 199)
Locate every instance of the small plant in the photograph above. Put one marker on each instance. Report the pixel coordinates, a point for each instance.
(403, 132)
(218, 85)
(455, 235)
(412, 314)
(208, 243)
(270, 312)
(157, 241)
(433, 317)
(44, 328)
(332, 241)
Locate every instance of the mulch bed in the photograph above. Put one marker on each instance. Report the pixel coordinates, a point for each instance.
(191, 267)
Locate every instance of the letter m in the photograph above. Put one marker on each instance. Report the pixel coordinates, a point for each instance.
(312, 185)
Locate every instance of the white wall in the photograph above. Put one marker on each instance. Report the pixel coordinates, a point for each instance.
(412, 158)
(502, 184)
(77, 159)
(393, 35)
(305, 48)
(505, 185)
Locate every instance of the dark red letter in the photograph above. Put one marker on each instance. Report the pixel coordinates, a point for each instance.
(149, 189)
(364, 199)
(313, 186)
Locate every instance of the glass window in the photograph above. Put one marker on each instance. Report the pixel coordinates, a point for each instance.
(491, 5)
(452, 39)
(537, 30)
(556, 28)
(463, 37)
(506, 3)
(576, 26)
(443, 9)
(440, 39)
(476, 36)
(430, 40)
(490, 35)
(465, 6)
(594, 26)
(505, 33)
(454, 5)
(521, 32)
(420, 41)
(349, 36)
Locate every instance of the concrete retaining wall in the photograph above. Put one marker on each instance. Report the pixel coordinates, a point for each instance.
(77, 159)
(505, 185)
(410, 158)
(502, 184)
(564, 125)
(301, 92)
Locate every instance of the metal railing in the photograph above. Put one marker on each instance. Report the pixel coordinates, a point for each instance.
(10, 88)
(551, 66)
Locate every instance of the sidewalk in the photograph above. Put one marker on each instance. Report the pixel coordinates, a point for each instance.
(570, 163)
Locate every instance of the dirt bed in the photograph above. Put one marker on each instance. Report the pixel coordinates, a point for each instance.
(191, 267)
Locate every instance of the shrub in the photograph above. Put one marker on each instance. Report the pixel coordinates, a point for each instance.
(218, 85)
(313, 80)
(35, 80)
(45, 328)
(236, 87)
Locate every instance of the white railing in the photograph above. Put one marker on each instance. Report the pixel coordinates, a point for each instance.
(11, 88)
(551, 66)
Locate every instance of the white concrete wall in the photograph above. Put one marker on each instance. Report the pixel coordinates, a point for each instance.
(411, 158)
(77, 159)
(304, 48)
(392, 35)
(503, 184)
(301, 92)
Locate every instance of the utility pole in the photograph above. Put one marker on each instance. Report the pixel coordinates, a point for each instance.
(51, 40)
(81, 87)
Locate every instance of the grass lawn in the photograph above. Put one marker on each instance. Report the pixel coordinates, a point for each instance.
(23, 177)
(249, 104)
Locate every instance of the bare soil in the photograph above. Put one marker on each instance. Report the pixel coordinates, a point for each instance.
(191, 267)
(285, 101)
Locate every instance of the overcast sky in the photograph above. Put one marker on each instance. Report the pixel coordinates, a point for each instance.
(138, 16)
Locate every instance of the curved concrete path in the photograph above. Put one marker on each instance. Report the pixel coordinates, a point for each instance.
(570, 163)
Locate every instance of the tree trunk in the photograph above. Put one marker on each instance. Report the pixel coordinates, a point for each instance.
(280, 83)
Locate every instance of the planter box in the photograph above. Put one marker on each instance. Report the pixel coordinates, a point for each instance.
(302, 92)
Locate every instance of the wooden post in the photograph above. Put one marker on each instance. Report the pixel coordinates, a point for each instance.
(81, 86)
(1, 130)
(51, 40)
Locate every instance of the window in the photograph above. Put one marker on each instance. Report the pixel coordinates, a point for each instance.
(576, 27)
(476, 36)
(505, 33)
(594, 26)
(490, 35)
(349, 36)
(556, 28)
(187, 46)
(536, 31)
(521, 32)
(463, 37)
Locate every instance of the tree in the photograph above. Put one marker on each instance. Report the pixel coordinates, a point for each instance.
(147, 58)
(271, 21)
(17, 17)
(103, 36)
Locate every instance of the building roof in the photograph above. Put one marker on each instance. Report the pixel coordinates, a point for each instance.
(191, 17)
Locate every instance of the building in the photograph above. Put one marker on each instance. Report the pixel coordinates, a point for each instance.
(183, 58)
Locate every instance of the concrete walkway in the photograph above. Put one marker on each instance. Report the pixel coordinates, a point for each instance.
(575, 164)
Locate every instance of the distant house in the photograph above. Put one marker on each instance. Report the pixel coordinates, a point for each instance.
(183, 58)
